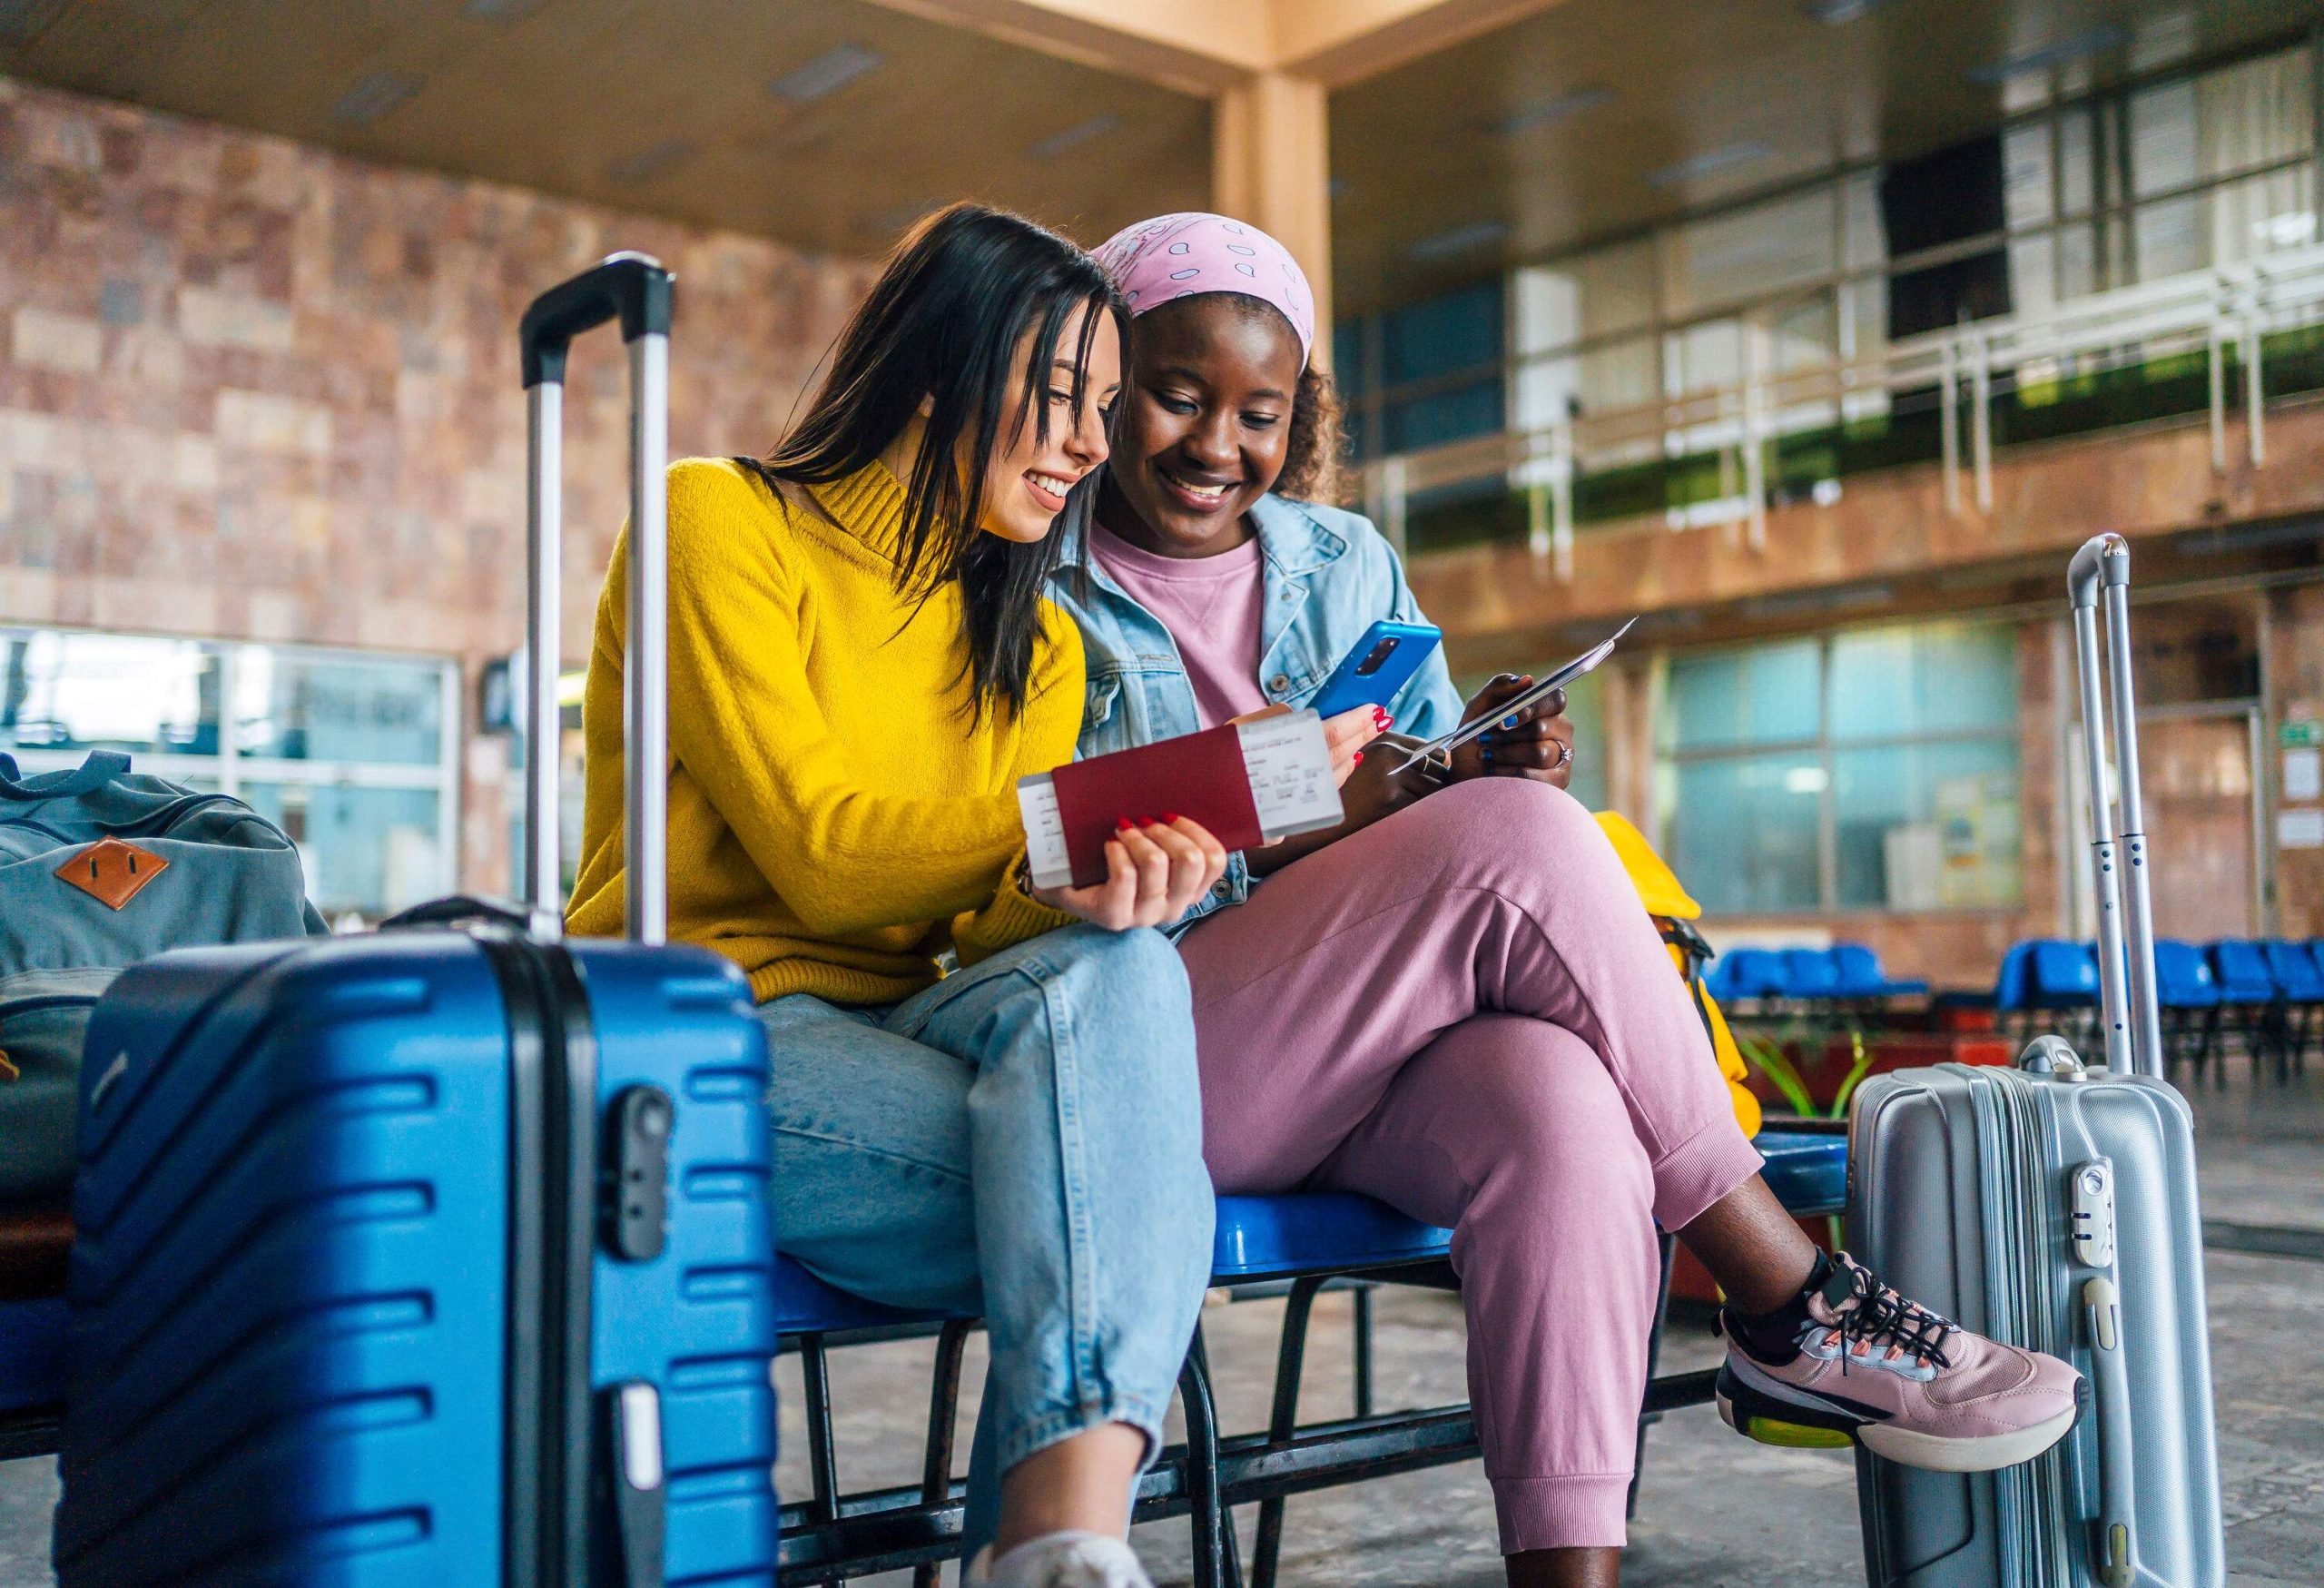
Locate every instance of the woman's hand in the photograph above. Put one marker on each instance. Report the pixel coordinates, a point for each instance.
(1155, 871)
(1535, 742)
(1347, 734)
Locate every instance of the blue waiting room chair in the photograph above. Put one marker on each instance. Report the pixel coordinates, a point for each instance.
(2250, 1002)
(2187, 996)
(2299, 989)
(2051, 984)
(1859, 975)
(1748, 975)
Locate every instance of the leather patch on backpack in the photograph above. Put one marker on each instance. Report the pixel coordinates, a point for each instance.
(113, 871)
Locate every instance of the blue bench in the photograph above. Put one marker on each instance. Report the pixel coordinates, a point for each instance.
(1847, 973)
(2274, 992)
(1302, 1242)
(1306, 1241)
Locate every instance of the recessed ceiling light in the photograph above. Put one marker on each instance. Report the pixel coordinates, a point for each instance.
(500, 10)
(1556, 107)
(1459, 240)
(1074, 136)
(1709, 164)
(369, 98)
(1836, 12)
(828, 73)
(651, 161)
(2079, 46)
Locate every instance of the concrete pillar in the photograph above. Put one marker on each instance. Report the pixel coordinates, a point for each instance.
(1270, 164)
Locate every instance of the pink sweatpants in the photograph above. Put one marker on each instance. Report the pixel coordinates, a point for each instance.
(1464, 1012)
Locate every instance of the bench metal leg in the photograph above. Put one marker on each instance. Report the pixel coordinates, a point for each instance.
(1215, 1564)
(1291, 1359)
(822, 1445)
(1653, 1362)
(1363, 1348)
(944, 1414)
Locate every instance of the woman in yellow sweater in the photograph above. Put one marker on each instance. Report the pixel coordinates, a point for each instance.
(862, 666)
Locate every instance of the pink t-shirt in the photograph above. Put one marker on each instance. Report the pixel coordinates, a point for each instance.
(1212, 606)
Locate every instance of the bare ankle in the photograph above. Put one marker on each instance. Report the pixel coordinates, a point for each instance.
(1565, 1568)
(1752, 1246)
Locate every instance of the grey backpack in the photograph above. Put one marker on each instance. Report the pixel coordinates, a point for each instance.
(101, 867)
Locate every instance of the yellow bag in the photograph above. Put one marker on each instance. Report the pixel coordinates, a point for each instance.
(1674, 910)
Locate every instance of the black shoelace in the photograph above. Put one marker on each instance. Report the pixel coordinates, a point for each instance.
(1881, 1318)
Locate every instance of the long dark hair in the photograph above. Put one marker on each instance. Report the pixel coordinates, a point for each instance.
(941, 325)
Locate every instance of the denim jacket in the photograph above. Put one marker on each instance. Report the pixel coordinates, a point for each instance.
(1329, 575)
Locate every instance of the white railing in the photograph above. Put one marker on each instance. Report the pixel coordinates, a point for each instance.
(2203, 311)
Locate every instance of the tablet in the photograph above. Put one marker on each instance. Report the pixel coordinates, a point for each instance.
(1445, 744)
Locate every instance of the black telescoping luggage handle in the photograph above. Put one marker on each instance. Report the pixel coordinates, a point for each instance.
(635, 290)
(2122, 863)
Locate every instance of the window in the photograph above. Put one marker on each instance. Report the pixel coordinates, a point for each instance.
(1424, 374)
(353, 755)
(1875, 769)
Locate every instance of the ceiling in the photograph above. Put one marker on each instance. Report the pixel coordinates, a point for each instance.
(682, 109)
(832, 123)
(1596, 117)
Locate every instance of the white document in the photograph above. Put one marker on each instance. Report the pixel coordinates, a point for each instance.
(1292, 788)
(1044, 832)
(1291, 775)
(2300, 829)
(2304, 773)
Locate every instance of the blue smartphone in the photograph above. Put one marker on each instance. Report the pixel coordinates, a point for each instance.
(1382, 663)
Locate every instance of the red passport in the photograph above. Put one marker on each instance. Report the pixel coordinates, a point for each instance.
(1248, 782)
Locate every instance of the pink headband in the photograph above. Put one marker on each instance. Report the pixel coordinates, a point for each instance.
(1178, 256)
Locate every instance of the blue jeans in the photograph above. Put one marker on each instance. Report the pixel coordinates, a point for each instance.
(1023, 1140)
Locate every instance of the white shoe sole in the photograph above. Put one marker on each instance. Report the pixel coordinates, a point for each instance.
(1994, 1451)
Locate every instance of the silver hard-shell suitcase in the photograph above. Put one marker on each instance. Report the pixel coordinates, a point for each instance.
(2054, 1206)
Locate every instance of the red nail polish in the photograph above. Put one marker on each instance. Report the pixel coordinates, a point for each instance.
(1359, 759)
(1147, 822)
(1168, 817)
(1123, 823)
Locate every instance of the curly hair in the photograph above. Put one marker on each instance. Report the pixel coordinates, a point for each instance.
(1318, 445)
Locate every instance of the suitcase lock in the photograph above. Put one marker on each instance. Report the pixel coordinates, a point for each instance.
(632, 1183)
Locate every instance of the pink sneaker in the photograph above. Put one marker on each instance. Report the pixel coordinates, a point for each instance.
(1871, 1366)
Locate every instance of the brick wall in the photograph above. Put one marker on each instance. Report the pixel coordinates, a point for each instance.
(251, 390)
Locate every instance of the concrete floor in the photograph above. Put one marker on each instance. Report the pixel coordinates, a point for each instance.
(1715, 1512)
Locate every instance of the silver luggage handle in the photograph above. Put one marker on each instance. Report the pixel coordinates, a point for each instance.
(2101, 575)
(634, 289)
(2115, 1546)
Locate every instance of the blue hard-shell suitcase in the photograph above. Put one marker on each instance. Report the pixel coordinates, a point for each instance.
(439, 1256)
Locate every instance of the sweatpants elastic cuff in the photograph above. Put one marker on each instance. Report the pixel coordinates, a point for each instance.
(1581, 1512)
(1701, 1169)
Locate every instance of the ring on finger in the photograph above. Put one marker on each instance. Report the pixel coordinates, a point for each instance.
(1565, 755)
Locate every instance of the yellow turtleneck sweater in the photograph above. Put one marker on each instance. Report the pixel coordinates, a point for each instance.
(836, 820)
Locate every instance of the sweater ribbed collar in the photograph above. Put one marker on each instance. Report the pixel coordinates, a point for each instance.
(870, 506)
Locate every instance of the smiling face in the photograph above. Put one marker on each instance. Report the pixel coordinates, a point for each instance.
(1027, 476)
(1204, 425)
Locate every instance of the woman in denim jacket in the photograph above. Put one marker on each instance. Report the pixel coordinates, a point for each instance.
(1453, 1001)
